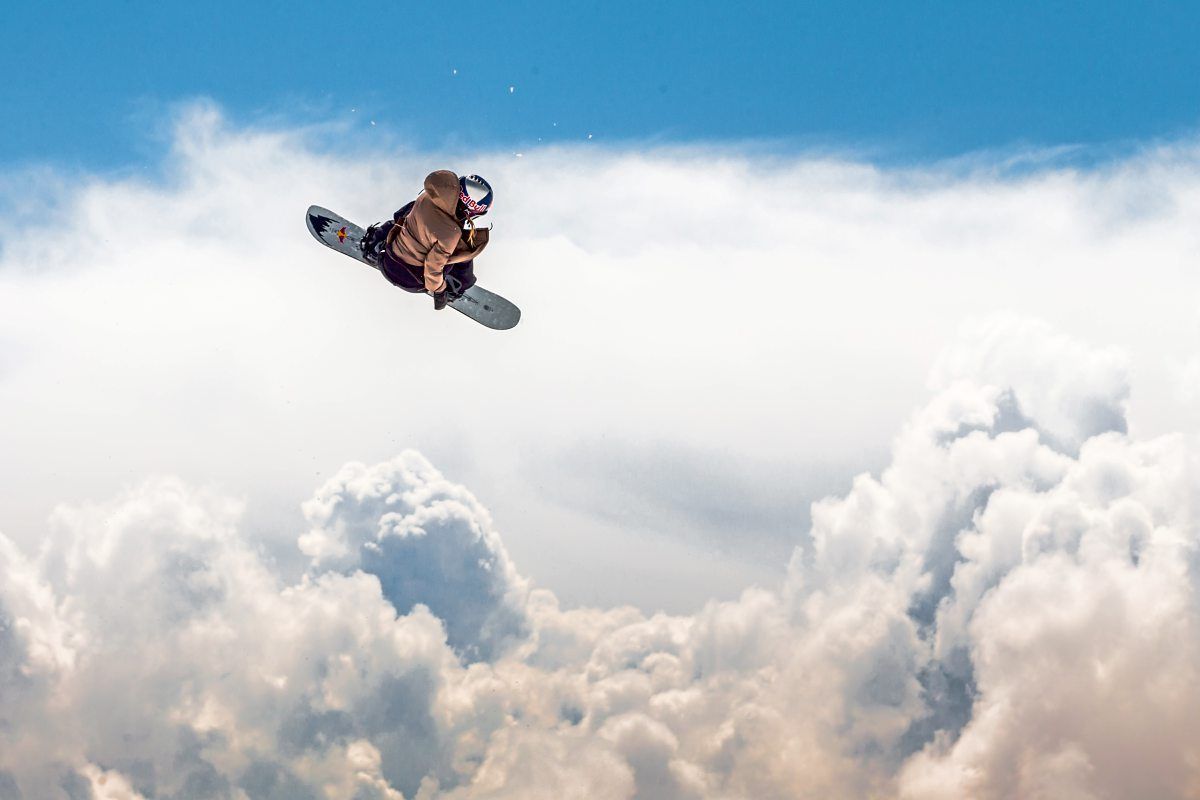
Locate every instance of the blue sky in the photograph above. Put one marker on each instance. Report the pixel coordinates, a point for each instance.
(897, 80)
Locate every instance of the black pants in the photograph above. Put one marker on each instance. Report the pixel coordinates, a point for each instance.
(459, 277)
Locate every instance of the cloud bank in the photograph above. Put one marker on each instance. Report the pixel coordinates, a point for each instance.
(717, 337)
(1009, 608)
(1003, 605)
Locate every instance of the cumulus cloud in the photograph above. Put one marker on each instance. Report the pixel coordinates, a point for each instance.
(180, 636)
(428, 541)
(1003, 605)
(1008, 608)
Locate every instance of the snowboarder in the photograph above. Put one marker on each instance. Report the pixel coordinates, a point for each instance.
(430, 244)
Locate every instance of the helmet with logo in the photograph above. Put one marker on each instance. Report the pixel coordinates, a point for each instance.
(474, 196)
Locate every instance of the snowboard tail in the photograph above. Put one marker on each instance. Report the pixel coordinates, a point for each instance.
(337, 233)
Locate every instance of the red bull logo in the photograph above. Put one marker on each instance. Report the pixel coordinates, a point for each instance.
(474, 209)
(341, 234)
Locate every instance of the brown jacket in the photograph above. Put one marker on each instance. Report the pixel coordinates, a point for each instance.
(431, 235)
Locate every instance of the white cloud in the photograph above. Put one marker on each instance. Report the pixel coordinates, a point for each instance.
(428, 541)
(766, 319)
(990, 616)
(1006, 608)
(1074, 392)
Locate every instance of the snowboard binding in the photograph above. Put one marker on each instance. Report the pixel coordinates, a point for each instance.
(374, 241)
(454, 288)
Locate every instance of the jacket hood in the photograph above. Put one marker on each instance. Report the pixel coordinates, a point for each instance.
(442, 187)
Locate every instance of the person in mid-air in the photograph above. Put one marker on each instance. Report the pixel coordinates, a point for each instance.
(430, 245)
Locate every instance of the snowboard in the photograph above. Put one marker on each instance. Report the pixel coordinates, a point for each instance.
(337, 233)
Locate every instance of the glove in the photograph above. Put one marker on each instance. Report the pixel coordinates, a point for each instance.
(439, 299)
